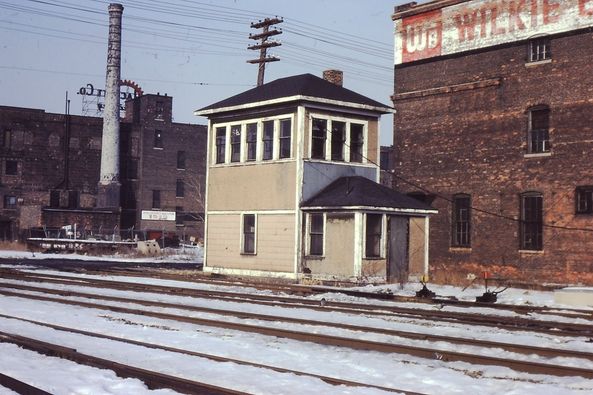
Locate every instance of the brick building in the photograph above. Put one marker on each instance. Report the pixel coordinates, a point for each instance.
(50, 171)
(494, 127)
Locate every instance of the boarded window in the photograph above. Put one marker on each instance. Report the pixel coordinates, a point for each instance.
(268, 140)
(6, 138)
(356, 142)
(316, 222)
(251, 141)
(181, 160)
(73, 199)
(156, 199)
(11, 168)
(538, 136)
(285, 138)
(318, 136)
(236, 143)
(461, 221)
(220, 145)
(584, 200)
(248, 233)
(158, 139)
(54, 199)
(374, 227)
(180, 188)
(338, 138)
(531, 224)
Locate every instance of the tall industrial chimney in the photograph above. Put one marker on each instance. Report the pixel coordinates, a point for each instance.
(109, 185)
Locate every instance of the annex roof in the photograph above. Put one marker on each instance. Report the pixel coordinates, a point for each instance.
(360, 193)
(304, 87)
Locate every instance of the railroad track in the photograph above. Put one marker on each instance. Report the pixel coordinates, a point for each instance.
(517, 348)
(503, 322)
(215, 358)
(19, 386)
(330, 340)
(306, 290)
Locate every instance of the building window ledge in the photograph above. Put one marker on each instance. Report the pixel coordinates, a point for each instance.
(531, 252)
(538, 155)
(374, 258)
(158, 148)
(464, 250)
(537, 63)
(314, 257)
(249, 253)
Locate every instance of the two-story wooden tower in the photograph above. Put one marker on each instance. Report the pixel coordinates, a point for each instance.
(292, 187)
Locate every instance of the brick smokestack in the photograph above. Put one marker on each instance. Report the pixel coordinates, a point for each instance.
(336, 77)
(109, 185)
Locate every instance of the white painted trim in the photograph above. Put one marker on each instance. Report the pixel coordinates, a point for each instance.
(261, 212)
(358, 244)
(247, 272)
(308, 236)
(378, 157)
(299, 136)
(372, 209)
(208, 153)
(426, 244)
(291, 99)
(242, 233)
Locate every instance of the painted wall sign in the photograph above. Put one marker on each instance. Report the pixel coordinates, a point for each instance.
(90, 90)
(151, 215)
(484, 23)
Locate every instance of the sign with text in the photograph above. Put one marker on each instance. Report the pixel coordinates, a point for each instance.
(484, 23)
(152, 215)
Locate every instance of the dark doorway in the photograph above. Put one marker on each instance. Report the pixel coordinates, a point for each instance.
(5, 230)
(397, 248)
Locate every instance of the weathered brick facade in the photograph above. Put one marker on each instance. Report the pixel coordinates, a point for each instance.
(50, 169)
(461, 127)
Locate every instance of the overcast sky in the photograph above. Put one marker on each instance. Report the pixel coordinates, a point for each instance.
(195, 51)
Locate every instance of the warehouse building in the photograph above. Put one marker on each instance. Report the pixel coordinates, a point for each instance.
(494, 128)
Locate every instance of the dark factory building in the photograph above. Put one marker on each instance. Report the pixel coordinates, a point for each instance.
(50, 166)
(494, 128)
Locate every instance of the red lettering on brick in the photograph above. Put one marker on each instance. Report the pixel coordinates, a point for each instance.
(551, 12)
(533, 13)
(515, 9)
(466, 25)
(422, 36)
(584, 10)
(493, 16)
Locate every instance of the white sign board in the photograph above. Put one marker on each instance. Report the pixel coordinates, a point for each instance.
(151, 215)
(484, 23)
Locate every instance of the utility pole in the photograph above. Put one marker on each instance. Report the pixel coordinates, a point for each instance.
(264, 45)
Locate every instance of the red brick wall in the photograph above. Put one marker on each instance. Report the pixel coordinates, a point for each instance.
(473, 140)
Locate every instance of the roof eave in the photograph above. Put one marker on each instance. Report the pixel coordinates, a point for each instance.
(296, 98)
(371, 208)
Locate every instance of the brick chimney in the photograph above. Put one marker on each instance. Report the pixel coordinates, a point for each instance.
(336, 77)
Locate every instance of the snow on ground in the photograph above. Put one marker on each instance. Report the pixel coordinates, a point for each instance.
(390, 370)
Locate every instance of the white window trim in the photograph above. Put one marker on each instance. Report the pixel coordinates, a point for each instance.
(259, 147)
(382, 244)
(346, 151)
(308, 236)
(242, 234)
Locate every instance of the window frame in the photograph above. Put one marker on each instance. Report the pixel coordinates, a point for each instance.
(377, 238)
(179, 188)
(10, 202)
(338, 142)
(329, 145)
(220, 139)
(181, 160)
(244, 234)
(584, 200)
(317, 233)
(283, 140)
(251, 144)
(538, 139)
(236, 142)
(531, 227)
(267, 140)
(156, 198)
(158, 139)
(461, 227)
(539, 49)
(13, 172)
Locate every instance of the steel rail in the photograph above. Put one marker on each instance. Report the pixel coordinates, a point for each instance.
(153, 380)
(329, 380)
(329, 340)
(20, 386)
(508, 323)
(517, 348)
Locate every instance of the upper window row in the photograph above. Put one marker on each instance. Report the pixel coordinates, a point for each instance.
(337, 140)
(254, 141)
(539, 49)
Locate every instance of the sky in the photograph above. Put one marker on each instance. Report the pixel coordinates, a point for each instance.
(195, 51)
